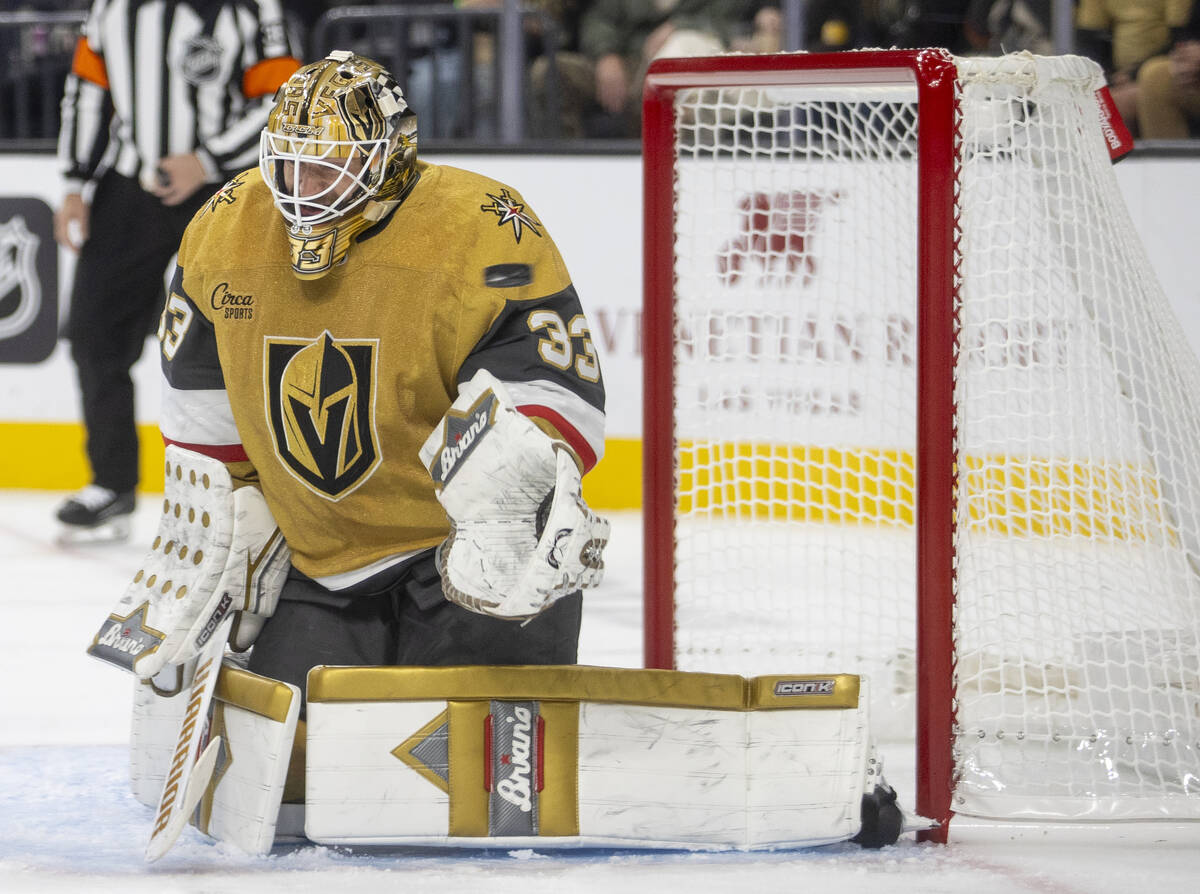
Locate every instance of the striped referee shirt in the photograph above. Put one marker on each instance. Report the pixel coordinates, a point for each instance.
(153, 78)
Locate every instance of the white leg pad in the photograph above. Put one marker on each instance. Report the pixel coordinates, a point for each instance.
(256, 718)
(157, 718)
(575, 756)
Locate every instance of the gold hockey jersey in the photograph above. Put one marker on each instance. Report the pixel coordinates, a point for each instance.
(327, 388)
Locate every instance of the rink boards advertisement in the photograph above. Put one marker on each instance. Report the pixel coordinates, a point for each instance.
(593, 207)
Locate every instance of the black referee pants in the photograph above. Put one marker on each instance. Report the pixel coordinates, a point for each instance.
(116, 299)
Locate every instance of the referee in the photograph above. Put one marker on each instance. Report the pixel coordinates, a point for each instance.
(165, 100)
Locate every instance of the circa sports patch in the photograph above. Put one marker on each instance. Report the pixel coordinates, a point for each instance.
(321, 410)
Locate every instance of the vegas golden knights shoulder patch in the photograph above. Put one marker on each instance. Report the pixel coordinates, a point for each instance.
(321, 409)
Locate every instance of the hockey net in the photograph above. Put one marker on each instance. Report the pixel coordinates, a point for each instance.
(908, 369)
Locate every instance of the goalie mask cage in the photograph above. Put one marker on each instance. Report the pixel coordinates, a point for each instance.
(917, 408)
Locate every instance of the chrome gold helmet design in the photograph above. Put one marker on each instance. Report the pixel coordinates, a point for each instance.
(339, 152)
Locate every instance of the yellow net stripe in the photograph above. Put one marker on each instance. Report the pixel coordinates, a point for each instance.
(1064, 498)
(796, 483)
(1012, 496)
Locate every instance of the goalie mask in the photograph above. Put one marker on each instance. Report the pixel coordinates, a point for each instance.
(339, 152)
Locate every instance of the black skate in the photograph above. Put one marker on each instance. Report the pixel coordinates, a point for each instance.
(96, 514)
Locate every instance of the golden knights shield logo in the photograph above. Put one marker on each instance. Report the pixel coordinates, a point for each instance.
(321, 410)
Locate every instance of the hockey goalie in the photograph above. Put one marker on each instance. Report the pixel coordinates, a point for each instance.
(359, 619)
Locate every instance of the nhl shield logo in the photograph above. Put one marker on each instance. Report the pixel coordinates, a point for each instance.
(200, 60)
(321, 410)
(20, 289)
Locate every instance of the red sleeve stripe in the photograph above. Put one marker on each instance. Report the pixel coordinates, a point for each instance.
(570, 434)
(89, 65)
(226, 453)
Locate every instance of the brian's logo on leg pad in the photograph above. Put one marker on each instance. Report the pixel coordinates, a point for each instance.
(513, 737)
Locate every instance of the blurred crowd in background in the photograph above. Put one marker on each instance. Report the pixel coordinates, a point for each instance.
(581, 60)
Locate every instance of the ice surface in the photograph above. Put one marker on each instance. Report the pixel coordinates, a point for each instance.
(68, 822)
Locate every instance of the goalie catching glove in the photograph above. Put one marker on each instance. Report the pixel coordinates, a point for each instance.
(521, 536)
(217, 551)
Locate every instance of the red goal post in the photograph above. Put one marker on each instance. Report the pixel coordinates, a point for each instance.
(809, 253)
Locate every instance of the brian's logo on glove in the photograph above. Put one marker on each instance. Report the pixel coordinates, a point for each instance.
(463, 433)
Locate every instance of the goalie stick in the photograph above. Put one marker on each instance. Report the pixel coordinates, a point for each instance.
(190, 770)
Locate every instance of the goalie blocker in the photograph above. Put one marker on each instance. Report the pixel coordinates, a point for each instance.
(217, 551)
(545, 757)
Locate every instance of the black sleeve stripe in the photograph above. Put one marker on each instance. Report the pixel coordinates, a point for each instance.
(512, 351)
(193, 363)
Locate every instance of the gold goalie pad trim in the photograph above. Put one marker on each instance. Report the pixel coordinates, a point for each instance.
(726, 692)
(583, 756)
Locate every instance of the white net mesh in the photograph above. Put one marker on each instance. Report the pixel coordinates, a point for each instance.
(1078, 597)
(796, 384)
(1077, 670)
